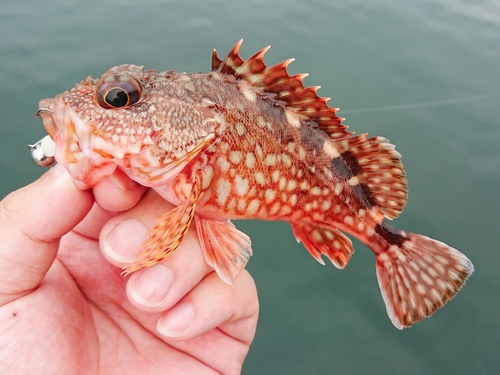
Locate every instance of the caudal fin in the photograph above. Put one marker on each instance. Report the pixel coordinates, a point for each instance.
(418, 276)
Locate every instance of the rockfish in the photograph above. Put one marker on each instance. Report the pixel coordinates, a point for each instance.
(247, 141)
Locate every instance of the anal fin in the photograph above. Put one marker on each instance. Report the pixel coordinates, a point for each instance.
(225, 248)
(168, 233)
(320, 240)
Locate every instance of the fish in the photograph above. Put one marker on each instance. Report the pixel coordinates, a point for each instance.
(250, 141)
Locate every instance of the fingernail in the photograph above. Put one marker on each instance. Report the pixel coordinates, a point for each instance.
(175, 322)
(151, 285)
(122, 181)
(123, 242)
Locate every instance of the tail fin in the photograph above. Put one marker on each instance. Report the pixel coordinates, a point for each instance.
(419, 275)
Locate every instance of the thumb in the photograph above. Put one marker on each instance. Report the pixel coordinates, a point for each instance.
(32, 221)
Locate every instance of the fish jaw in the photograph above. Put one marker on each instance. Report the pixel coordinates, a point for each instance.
(73, 147)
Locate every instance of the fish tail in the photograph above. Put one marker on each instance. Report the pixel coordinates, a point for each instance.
(417, 275)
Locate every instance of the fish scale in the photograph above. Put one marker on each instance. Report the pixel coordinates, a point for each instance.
(248, 141)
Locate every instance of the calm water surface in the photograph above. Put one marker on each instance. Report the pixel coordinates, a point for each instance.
(425, 74)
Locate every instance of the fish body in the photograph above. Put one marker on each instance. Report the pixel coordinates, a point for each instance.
(247, 141)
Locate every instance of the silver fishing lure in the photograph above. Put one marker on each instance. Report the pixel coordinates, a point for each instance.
(43, 152)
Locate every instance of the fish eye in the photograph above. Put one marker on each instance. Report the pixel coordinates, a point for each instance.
(118, 91)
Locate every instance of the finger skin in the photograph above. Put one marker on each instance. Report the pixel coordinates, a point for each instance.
(215, 304)
(32, 221)
(114, 193)
(222, 314)
(117, 192)
(186, 264)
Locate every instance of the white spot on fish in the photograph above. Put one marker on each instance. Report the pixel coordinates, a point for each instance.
(250, 160)
(270, 160)
(282, 183)
(293, 119)
(248, 92)
(258, 151)
(328, 173)
(287, 160)
(253, 206)
(235, 157)
(292, 184)
(275, 176)
(261, 122)
(269, 195)
(241, 185)
(338, 189)
(330, 149)
(223, 164)
(348, 220)
(316, 190)
(260, 178)
(232, 204)
(224, 146)
(223, 189)
(353, 181)
(274, 209)
(285, 210)
(302, 153)
(240, 129)
(242, 204)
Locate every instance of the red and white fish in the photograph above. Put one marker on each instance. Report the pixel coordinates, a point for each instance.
(247, 141)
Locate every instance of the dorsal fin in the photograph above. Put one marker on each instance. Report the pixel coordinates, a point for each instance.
(378, 171)
(288, 89)
(231, 62)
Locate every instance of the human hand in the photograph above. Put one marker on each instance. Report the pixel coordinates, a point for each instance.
(65, 309)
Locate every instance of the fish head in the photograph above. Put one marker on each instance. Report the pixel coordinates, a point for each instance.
(122, 119)
(97, 122)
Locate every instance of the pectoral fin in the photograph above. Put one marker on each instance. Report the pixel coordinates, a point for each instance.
(320, 240)
(225, 248)
(168, 232)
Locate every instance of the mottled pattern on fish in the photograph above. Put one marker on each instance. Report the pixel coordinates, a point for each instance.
(249, 141)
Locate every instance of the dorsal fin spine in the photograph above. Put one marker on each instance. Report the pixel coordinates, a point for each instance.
(288, 89)
(215, 61)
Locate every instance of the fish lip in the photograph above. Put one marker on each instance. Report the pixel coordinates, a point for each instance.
(47, 115)
(58, 120)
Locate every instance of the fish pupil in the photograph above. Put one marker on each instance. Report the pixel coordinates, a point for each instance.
(117, 97)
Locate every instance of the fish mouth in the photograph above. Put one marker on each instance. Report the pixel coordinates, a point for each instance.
(69, 133)
(46, 114)
(59, 121)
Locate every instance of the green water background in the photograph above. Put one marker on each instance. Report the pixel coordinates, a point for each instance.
(425, 74)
